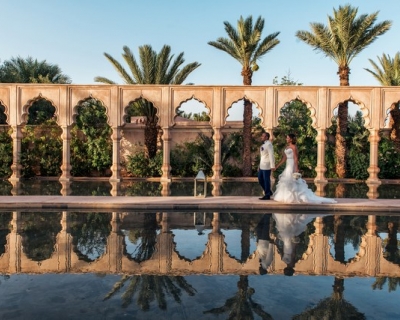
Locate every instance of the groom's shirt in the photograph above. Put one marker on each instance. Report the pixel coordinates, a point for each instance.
(267, 158)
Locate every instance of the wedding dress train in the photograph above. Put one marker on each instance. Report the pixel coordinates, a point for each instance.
(292, 190)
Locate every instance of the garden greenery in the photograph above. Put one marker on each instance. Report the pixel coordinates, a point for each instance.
(91, 146)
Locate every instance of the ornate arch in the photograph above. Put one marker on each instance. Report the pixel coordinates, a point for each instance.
(245, 97)
(6, 110)
(310, 107)
(25, 109)
(80, 102)
(193, 97)
(125, 108)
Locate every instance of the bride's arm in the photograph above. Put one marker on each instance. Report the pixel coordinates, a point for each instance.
(282, 160)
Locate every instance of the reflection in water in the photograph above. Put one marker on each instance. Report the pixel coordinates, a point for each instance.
(241, 305)
(149, 289)
(39, 231)
(157, 277)
(102, 187)
(334, 307)
(144, 238)
(90, 232)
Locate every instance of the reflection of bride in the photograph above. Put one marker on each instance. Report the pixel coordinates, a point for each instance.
(289, 227)
(291, 188)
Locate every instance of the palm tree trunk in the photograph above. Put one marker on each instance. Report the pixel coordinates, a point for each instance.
(247, 118)
(339, 238)
(391, 247)
(151, 137)
(341, 146)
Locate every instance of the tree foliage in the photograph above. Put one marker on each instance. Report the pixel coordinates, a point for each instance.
(29, 70)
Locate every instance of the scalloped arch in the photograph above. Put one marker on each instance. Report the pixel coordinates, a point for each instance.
(253, 102)
(125, 109)
(193, 97)
(313, 111)
(80, 102)
(25, 108)
(6, 110)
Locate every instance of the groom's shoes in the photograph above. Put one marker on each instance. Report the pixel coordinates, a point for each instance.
(265, 198)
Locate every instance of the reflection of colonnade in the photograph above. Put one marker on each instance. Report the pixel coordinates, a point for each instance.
(316, 260)
(321, 101)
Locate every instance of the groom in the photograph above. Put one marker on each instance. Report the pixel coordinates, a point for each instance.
(267, 162)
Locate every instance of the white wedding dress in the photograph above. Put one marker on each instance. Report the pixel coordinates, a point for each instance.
(289, 226)
(290, 190)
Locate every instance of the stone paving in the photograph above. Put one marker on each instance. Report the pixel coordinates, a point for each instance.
(185, 203)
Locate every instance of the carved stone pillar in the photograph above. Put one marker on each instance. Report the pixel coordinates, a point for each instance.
(166, 168)
(321, 168)
(66, 154)
(16, 136)
(320, 190)
(116, 167)
(216, 191)
(115, 188)
(320, 245)
(115, 244)
(165, 245)
(14, 243)
(373, 190)
(373, 248)
(64, 245)
(65, 187)
(166, 188)
(216, 246)
(373, 169)
(217, 168)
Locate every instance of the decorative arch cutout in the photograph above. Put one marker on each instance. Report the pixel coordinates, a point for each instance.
(75, 110)
(238, 105)
(364, 110)
(4, 115)
(188, 109)
(126, 118)
(189, 245)
(28, 105)
(392, 120)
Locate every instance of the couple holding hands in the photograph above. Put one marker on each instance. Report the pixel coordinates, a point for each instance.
(290, 187)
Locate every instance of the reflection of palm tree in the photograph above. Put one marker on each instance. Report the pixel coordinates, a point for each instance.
(334, 307)
(393, 283)
(148, 236)
(241, 305)
(391, 249)
(151, 288)
(90, 232)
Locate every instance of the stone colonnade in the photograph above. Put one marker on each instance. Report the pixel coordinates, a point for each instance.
(316, 260)
(321, 101)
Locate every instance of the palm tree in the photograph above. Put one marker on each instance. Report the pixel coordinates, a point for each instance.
(245, 45)
(345, 36)
(389, 75)
(154, 68)
(29, 70)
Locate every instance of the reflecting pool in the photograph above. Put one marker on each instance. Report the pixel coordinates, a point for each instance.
(198, 265)
(183, 188)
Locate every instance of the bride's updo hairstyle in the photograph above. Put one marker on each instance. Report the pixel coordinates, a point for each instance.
(292, 137)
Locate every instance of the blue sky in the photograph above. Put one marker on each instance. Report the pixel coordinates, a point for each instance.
(74, 34)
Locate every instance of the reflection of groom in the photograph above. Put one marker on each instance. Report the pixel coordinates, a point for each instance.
(267, 162)
(265, 245)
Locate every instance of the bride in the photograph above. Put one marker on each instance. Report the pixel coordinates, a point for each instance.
(291, 188)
